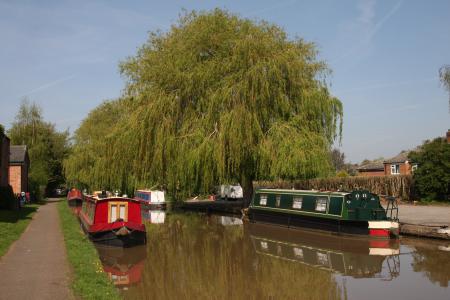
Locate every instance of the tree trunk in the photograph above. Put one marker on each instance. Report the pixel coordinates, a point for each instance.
(247, 186)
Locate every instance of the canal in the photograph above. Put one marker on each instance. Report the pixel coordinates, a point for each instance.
(199, 256)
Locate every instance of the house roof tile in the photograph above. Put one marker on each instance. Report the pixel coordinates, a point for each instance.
(374, 166)
(17, 153)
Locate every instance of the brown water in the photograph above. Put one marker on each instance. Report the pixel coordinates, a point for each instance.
(196, 256)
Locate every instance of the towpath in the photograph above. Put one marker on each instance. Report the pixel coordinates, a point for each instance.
(424, 215)
(36, 266)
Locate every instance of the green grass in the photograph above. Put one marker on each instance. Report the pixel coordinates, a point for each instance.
(12, 224)
(89, 281)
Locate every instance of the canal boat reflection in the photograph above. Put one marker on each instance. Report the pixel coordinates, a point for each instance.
(355, 257)
(154, 216)
(124, 266)
(228, 221)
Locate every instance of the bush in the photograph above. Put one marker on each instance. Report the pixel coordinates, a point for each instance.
(433, 173)
(7, 198)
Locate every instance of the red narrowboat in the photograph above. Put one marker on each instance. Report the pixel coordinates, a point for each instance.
(112, 220)
(75, 199)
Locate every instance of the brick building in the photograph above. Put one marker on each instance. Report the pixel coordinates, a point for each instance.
(371, 169)
(19, 164)
(4, 160)
(397, 165)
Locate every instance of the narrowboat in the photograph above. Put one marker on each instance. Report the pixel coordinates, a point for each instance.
(151, 199)
(230, 192)
(112, 220)
(347, 255)
(75, 199)
(359, 212)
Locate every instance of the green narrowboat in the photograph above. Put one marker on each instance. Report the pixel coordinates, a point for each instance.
(358, 212)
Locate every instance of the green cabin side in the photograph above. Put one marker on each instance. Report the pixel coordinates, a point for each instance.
(355, 206)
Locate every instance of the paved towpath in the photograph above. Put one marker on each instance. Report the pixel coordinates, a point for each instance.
(424, 215)
(36, 266)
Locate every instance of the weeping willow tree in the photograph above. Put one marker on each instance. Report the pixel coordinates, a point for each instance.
(217, 99)
(85, 166)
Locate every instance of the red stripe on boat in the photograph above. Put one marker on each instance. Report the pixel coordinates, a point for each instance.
(379, 232)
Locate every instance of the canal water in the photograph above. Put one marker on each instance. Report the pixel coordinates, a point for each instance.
(199, 256)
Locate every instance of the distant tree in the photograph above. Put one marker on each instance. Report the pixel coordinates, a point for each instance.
(46, 146)
(337, 159)
(444, 75)
(433, 173)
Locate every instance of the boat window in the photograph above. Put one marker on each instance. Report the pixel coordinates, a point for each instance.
(298, 252)
(321, 204)
(118, 210)
(297, 203)
(113, 213)
(322, 258)
(263, 200)
(122, 210)
(278, 201)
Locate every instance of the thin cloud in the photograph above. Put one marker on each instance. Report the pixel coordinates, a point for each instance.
(48, 85)
(367, 14)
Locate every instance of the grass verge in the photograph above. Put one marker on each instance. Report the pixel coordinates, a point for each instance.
(13, 223)
(89, 281)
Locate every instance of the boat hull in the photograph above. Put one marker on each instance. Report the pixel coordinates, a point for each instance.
(114, 238)
(317, 223)
(110, 238)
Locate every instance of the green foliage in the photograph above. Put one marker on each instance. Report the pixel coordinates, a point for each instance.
(2, 129)
(12, 224)
(89, 280)
(46, 146)
(85, 165)
(342, 173)
(218, 98)
(432, 176)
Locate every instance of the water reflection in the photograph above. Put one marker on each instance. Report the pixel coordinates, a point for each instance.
(123, 265)
(218, 257)
(154, 216)
(356, 257)
(432, 259)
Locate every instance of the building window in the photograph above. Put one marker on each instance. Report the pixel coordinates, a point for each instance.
(263, 200)
(413, 168)
(278, 201)
(321, 204)
(297, 203)
(395, 169)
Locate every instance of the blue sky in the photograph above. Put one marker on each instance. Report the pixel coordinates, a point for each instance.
(385, 57)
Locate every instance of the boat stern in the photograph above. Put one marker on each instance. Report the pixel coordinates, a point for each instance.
(384, 229)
